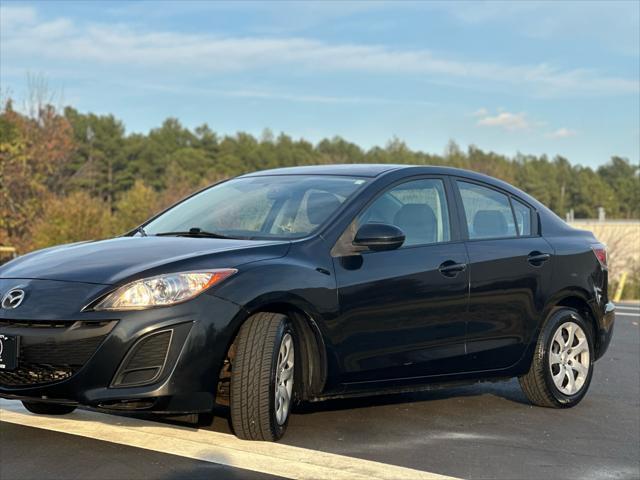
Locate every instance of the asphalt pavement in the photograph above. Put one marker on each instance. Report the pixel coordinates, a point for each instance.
(35, 454)
(487, 430)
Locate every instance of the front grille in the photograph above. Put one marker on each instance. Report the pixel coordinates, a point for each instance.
(35, 374)
(74, 353)
(28, 324)
(50, 324)
(51, 351)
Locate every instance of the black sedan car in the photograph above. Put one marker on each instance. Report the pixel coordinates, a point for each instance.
(304, 284)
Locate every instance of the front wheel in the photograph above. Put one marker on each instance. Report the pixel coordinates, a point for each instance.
(562, 365)
(40, 408)
(262, 377)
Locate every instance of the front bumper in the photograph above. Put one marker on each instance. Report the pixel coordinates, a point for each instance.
(80, 360)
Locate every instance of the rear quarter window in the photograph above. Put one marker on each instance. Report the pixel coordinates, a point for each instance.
(523, 217)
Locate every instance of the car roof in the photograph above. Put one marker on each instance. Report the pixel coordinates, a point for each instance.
(349, 170)
(372, 170)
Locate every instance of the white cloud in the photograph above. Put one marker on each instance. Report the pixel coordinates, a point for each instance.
(275, 95)
(562, 133)
(14, 16)
(506, 120)
(25, 36)
(520, 121)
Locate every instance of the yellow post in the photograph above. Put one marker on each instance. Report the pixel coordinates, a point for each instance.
(7, 252)
(620, 289)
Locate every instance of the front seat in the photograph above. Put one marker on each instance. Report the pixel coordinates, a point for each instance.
(418, 222)
(320, 205)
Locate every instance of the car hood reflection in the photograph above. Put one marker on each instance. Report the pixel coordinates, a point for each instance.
(110, 261)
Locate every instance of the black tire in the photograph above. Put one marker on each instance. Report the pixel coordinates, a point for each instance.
(538, 384)
(253, 377)
(48, 408)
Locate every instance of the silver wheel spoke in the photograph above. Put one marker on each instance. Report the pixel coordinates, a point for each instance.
(571, 385)
(582, 346)
(289, 358)
(581, 369)
(559, 378)
(282, 357)
(283, 394)
(571, 329)
(286, 374)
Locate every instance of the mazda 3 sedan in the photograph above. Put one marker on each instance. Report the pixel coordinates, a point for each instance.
(304, 284)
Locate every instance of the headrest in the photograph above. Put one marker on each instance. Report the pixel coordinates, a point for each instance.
(489, 223)
(320, 205)
(418, 222)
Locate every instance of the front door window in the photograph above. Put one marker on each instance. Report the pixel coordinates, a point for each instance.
(418, 208)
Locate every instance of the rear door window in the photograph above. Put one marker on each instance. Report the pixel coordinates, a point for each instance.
(488, 212)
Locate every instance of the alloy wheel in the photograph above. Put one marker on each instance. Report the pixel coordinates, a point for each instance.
(284, 379)
(569, 358)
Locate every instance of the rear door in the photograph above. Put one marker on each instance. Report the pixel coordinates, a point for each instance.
(403, 311)
(509, 268)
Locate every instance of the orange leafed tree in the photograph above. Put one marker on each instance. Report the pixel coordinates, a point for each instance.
(34, 151)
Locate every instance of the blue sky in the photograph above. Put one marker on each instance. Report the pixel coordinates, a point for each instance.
(532, 77)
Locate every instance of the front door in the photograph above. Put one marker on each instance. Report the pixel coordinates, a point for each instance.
(403, 311)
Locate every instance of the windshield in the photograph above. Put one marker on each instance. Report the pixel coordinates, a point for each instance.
(285, 207)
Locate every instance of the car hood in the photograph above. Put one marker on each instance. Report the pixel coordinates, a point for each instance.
(109, 262)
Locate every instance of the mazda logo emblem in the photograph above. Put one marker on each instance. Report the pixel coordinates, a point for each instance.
(13, 299)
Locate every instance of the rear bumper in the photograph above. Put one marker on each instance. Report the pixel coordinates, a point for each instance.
(188, 362)
(606, 322)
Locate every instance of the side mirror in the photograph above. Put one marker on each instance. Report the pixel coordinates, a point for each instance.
(379, 236)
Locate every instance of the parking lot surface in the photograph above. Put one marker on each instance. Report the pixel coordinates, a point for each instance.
(486, 430)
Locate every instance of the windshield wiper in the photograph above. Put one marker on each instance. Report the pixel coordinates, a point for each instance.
(141, 231)
(193, 232)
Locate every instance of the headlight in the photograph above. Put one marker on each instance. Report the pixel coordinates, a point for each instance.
(162, 290)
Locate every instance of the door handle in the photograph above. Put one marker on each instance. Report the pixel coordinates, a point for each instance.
(451, 268)
(537, 258)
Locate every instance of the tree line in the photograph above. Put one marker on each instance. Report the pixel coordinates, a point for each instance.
(67, 176)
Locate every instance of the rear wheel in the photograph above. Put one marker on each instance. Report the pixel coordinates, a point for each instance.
(262, 377)
(48, 408)
(562, 365)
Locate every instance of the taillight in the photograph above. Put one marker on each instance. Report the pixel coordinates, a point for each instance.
(600, 251)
